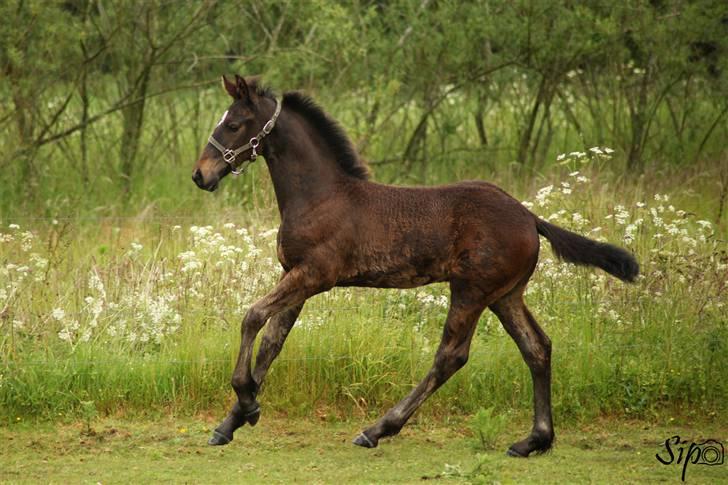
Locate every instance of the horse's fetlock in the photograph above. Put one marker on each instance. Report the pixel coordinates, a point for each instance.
(542, 435)
(390, 426)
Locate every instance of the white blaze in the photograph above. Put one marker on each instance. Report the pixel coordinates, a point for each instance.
(222, 118)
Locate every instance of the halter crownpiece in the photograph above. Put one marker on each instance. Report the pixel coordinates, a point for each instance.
(229, 155)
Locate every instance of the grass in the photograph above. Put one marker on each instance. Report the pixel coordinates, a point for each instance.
(285, 450)
(131, 314)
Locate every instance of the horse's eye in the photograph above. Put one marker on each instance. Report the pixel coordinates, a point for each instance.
(232, 126)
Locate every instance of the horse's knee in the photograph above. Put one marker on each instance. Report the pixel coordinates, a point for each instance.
(254, 319)
(459, 359)
(450, 361)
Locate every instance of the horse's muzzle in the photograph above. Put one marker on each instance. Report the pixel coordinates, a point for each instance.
(199, 179)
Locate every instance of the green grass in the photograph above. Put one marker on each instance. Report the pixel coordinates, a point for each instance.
(133, 314)
(285, 450)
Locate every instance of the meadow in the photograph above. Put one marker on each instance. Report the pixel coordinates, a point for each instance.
(139, 315)
(285, 450)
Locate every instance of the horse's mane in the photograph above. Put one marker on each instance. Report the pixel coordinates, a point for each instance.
(330, 130)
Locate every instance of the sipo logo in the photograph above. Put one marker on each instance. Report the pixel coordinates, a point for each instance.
(709, 452)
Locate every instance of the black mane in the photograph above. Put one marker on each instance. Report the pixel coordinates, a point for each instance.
(330, 130)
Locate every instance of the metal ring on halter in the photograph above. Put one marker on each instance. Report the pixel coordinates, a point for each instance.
(239, 170)
(229, 156)
(254, 142)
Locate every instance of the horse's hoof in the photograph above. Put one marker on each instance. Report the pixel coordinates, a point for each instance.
(515, 454)
(253, 416)
(364, 441)
(219, 439)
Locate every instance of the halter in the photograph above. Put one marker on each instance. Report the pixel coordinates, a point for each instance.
(229, 155)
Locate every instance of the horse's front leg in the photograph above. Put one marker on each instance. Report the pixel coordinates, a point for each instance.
(293, 289)
(270, 346)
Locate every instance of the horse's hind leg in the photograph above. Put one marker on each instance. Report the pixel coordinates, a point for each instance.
(535, 346)
(465, 307)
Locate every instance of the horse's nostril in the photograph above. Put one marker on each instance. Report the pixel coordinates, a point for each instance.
(197, 177)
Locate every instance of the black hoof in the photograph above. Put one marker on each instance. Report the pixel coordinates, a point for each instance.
(515, 454)
(364, 441)
(218, 439)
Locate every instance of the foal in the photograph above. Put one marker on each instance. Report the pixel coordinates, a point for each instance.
(339, 229)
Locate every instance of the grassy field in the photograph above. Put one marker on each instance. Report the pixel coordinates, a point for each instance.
(284, 450)
(128, 314)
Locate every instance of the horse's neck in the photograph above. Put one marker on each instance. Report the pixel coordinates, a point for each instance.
(301, 168)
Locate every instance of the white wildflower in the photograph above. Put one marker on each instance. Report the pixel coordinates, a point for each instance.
(65, 335)
(58, 314)
(543, 194)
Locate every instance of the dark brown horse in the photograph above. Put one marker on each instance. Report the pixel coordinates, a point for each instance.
(339, 229)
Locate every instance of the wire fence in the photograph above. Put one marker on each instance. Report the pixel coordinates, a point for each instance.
(372, 357)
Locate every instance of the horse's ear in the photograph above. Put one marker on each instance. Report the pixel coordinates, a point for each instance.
(242, 87)
(230, 87)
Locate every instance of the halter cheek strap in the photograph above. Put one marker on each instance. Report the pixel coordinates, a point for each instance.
(229, 155)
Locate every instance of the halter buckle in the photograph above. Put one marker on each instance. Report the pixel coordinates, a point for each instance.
(229, 156)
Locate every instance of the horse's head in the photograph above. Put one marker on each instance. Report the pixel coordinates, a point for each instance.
(234, 141)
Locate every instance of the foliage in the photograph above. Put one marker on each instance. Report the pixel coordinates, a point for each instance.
(118, 96)
(486, 428)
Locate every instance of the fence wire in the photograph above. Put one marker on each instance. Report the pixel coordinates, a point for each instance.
(89, 365)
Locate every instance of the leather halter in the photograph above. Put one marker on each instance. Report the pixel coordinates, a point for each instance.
(229, 155)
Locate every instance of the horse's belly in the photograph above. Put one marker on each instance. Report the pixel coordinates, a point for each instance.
(406, 277)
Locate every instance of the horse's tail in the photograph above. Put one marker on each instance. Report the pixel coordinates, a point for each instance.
(577, 249)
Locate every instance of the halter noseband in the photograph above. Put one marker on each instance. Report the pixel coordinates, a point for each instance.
(229, 155)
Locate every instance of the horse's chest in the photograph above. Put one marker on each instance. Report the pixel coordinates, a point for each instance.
(291, 251)
(280, 253)
(287, 255)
